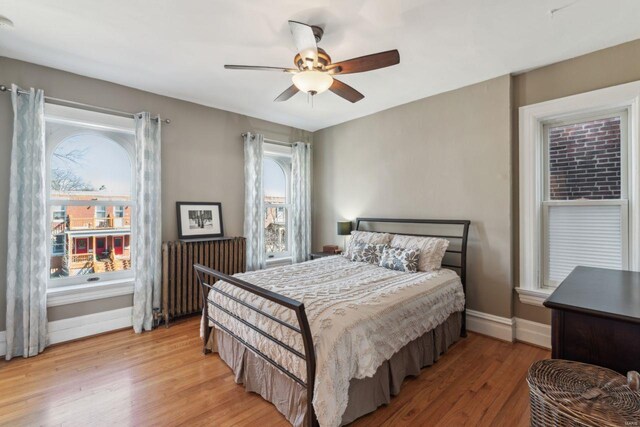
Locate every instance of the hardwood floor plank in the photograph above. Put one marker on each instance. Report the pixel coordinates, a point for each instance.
(161, 378)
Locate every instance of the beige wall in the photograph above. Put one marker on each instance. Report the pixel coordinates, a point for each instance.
(202, 157)
(447, 156)
(597, 70)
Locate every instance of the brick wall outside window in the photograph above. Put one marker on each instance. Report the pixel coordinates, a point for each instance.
(584, 160)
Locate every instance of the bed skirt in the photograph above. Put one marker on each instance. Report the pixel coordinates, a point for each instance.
(365, 395)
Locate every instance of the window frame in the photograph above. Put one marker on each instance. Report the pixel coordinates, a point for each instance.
(282, 157)
(119, 130)
(533, 182)
(547, 203)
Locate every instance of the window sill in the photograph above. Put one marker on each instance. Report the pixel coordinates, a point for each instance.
(88, 292)
(533, 296)
(277, 262)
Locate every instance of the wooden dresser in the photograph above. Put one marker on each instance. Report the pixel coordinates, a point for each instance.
(596, 318)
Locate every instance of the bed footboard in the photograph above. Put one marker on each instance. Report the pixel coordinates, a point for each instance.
(207, 278)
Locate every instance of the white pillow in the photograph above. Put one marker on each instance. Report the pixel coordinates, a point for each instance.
(431, 249)
(366, 237)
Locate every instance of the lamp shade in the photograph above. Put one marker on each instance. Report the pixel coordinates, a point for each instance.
(344, 228)
(314, 82)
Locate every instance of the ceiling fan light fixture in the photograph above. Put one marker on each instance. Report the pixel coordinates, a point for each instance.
(312, 81)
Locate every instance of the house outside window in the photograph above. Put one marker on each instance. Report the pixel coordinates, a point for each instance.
(90, 181)
(578, 203)
(277, 203)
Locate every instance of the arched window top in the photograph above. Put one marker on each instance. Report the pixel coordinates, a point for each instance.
(275, 182)
(90, 163)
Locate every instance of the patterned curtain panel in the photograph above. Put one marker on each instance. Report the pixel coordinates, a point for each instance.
(148, 240)
(254, 201)
(27, 248)
(301, 201)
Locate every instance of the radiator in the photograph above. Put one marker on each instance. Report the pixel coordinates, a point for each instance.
(181, 294)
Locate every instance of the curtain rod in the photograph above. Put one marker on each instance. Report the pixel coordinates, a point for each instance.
(4, 88)
(273, 141)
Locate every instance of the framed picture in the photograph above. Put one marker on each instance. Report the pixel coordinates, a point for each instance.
(199, 220)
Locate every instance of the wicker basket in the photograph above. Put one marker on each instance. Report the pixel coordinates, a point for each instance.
(566, 393)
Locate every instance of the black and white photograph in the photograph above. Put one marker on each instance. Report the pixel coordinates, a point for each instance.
(199, 220)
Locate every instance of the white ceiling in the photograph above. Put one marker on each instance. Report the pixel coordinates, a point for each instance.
(178, 48)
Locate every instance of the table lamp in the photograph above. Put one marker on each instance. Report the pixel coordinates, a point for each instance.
(344, 229)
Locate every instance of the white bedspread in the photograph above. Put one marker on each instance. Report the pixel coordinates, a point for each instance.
(360, 315)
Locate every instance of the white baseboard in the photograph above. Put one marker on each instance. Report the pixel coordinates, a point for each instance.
(533, 332)
(82, 326)
(489, 324)
(509, 329)
(91, 324)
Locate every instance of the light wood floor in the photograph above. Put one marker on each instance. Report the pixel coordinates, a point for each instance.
(162, 378)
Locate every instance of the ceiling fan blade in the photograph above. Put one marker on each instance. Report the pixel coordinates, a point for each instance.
(366, 63)
(260, 68)
(345, 91)
(291, 90)
(304, 39)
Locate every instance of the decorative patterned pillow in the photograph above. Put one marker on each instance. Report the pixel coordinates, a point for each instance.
(400, 259)
(431, 249)
(366, 237)
(366, 252)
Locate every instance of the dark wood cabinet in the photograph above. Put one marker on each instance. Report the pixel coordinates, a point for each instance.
(596, 318)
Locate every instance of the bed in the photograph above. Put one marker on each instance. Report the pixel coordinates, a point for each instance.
(329, 340)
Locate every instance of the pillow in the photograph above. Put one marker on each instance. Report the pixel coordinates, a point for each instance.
(366, 252)
(400, 259)
(366, 237)
(431, 249)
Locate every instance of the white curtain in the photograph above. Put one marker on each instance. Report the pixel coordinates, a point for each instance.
(27, 230)
(148, 239)
(301, 201)
(254, 200)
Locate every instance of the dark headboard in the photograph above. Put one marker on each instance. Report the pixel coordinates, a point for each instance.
(456, 231)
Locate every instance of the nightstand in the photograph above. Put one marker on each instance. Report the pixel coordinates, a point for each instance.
(316, 255)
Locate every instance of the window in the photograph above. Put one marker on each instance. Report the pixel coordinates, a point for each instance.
(90, 181)
(584, 205)
(57, 241)
(101, 212)
(578, 203)
(277, 178)
(58, 213)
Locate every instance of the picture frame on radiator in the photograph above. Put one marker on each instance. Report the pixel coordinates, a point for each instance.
(199, 220)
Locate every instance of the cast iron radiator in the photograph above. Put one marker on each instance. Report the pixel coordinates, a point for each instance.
(181, 293)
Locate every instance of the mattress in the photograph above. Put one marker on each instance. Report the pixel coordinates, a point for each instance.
(360, 315)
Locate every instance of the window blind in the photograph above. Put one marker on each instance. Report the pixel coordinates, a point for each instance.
(588, 235)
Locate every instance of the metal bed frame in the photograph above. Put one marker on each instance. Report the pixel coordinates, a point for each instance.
(207, 278)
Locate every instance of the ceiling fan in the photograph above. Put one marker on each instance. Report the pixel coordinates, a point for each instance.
(314, 72)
